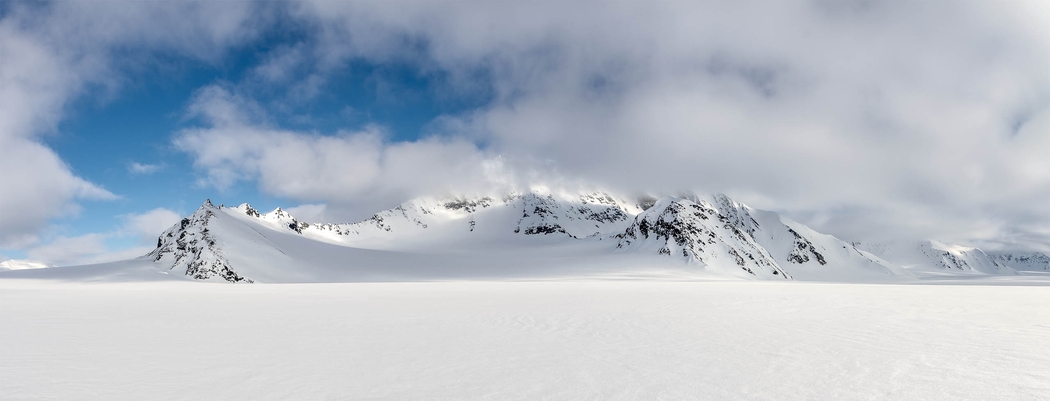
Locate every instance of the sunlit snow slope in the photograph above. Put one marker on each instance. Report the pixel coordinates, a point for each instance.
(531, 235)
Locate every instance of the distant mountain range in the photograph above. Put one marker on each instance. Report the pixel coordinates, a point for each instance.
(543, 234)
(532, 236)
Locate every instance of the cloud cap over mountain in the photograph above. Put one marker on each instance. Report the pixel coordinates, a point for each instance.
(862, 119)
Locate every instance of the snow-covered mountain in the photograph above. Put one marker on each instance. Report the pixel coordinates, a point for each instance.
(191, 247)
(935, 256)
(532, 234)
(541, 234)
(1022, 261)
(517, 235)
(721, 234)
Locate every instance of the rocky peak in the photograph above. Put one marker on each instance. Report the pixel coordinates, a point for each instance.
(189, 247)
(248, 210)
(735, 213)
(469, 205)
(698, 232)
(1030, 261)
(278, 214)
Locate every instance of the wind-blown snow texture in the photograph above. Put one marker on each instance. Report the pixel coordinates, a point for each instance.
(555, 340)
(544, 234)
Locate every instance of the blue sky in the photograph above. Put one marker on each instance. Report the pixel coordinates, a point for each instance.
(865, 120)
(101, 137)
(120, 138)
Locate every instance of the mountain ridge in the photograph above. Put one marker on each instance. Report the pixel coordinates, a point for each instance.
(709, 234)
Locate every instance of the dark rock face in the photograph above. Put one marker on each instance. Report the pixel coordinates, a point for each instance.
(249, 210)
(193, 250)
(949, 261)
(735, 214)
(297, 226)
(714, 231)
(1031, 261)
(590, 215)
(673, 227)
(468, 205)
(544, 229)
(803, 249)
(700, 232)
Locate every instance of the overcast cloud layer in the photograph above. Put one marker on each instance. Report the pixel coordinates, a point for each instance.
(863, 119)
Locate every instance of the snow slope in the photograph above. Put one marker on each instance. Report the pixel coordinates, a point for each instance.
(522, 236)
(518, 235)
(1023, 261)
(15, 264)
(570, 340)
(729, 237)
(937, 257)
(536, 234)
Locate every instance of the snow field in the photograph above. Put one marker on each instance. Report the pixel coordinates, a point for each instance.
(625, 340)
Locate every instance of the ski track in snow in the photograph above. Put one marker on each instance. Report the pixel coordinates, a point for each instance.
(572, 340)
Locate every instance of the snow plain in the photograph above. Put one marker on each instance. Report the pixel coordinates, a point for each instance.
(972, 339)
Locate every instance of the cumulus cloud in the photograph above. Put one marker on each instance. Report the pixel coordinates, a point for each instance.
(150, 224)
(139, 229)
(136, 168)
(864, 119)
(81, 250)
(36, 186)
(55, 52)
(63, 251)
(310, 213)
(347, 167)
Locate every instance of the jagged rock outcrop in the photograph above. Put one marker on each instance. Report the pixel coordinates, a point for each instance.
(545, 214)
(803, 249)
(587, 215)
(700, 232)
(189, 247)
(714, 233)
(935, 255)
(1024, 261)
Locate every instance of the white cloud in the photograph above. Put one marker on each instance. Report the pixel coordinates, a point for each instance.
(68, 250)
(863, 118)
(926, 119)
(311, 213)
(150, 224)
(53, 53)
(37, 187)
(347, 167)
(81, 250)
(281, 65)
(141, 229)
(136, 168)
